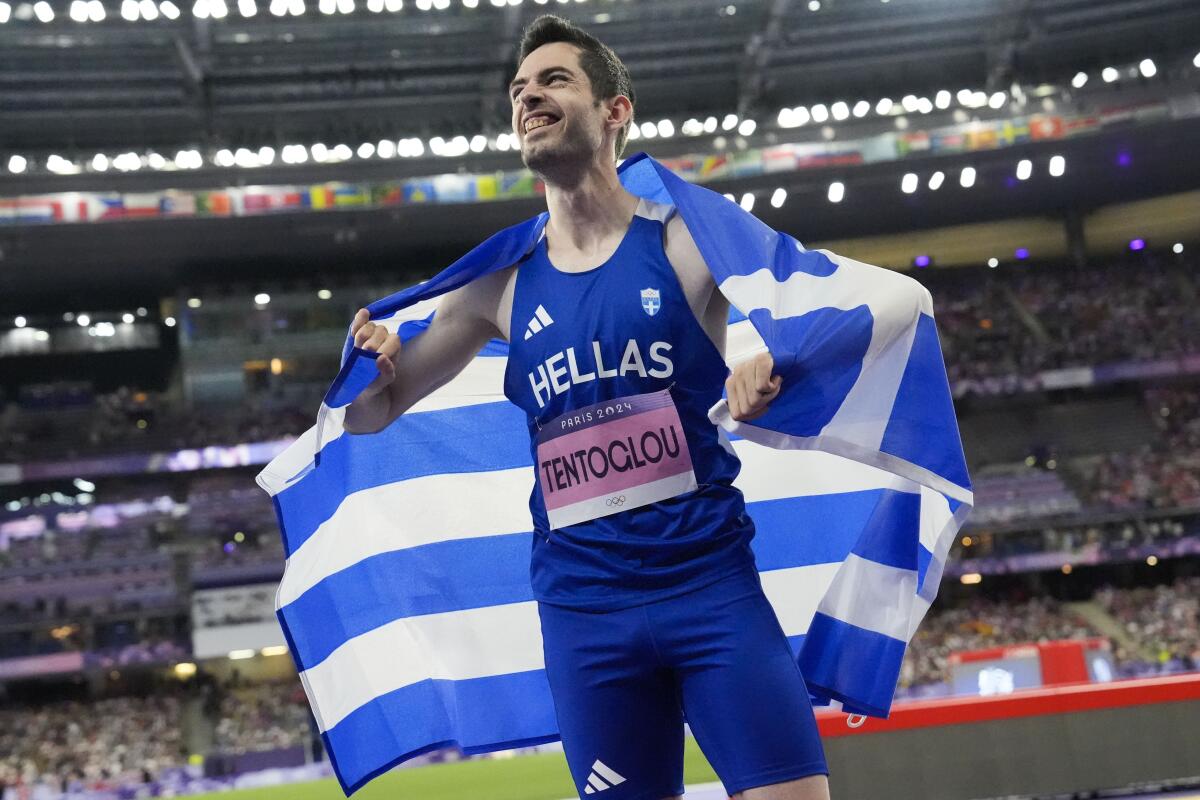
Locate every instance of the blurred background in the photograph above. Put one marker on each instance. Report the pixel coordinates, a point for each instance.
(194, 199)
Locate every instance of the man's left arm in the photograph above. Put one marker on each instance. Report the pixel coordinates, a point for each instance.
(751, 385)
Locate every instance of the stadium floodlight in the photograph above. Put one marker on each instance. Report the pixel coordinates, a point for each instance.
(142, 311)
(148, 9)
(924, 105)
(1196, 61)
(819, 113)
(395, 5)
(993, 262)
(910, 103)
(127, 318)
(478, 143)
(1148, 68)
(266, 154)
(224, 158)
(83, 320)
(79, 11)
(1024, 169)
(730, 122)
(320, 152)
(691, 127)
(342, 152)
(345, 6)
(861, 109)
(666, 128)
(997, 100)
(1177, 248)
(129, 10)
(942, 99)
(169, 9)
(442, 5)
(200, 9)
(814, 5)
(503, 146)
(779, 197)
(884, 106)
(1110, 74)
(127, 162)
(17, 164)
(649, 130)
(729, 197)
(470, 3)
(324, 294)
(840, 111)
(43, 11)
(1058, 165)
(20, 322)
(966, 178)
(5, 13)
(156, 161)
(837, 191)
(169, 322)
(326, 7)
(366, 150)
(634, 133)
(908, 184)
(710, 125)
(747, 202)
(936, 180)
(964, 97)
(96, 12)
(235, 655)
(375, 6)
(219, 9)
(746, 127)
(1080, 80)
(247, 8)
(262, 299)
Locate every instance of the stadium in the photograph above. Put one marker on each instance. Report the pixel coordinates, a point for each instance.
(197, 198)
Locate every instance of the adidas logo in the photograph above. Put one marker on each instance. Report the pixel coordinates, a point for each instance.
(541, 319)
(600, 774)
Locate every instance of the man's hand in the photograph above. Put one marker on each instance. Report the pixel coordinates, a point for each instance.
(751, 387)
(376, 338)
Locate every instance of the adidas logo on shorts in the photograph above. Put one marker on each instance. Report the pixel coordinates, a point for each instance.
(541, 319)
(602, 777)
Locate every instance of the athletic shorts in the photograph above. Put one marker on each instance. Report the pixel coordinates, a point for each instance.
(625, 681)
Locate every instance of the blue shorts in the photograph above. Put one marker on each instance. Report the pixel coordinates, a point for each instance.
(624, 681)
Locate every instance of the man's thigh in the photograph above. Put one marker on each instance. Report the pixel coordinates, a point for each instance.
(617, 708)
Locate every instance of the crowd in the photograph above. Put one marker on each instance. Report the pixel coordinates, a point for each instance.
(1164, 620)
(1103, 540)
(264, 716)
(101, 744)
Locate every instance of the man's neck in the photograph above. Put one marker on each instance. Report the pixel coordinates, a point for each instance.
(587, 213)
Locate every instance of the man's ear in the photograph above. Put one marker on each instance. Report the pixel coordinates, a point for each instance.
(620, 111)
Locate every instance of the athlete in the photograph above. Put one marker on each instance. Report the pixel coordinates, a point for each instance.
(651, 607)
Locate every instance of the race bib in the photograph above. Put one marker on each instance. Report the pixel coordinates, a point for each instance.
(613, 456)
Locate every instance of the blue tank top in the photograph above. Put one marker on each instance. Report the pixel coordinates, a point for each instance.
(620, 329)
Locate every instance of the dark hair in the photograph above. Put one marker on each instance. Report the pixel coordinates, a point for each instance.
(604, 69)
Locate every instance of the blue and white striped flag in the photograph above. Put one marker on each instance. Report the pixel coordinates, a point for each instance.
(406, 598)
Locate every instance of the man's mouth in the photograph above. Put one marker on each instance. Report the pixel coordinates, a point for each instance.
(537, 122)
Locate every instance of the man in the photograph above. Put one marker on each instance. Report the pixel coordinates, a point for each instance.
(650, 602)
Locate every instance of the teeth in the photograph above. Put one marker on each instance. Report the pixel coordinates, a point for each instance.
(537, 122)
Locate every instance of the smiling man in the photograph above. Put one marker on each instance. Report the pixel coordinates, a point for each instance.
(651, 607)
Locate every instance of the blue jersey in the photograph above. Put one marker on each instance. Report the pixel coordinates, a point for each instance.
(621, 329)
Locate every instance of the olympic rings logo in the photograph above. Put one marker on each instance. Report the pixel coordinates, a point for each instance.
(617, 500)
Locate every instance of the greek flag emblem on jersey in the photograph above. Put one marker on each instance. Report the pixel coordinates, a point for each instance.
(651, 301)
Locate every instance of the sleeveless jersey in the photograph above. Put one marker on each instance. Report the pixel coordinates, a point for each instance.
(624, 328)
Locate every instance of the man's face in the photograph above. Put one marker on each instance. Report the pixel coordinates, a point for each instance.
(554, 115)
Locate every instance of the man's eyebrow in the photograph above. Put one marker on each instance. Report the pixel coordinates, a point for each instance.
(521, 81)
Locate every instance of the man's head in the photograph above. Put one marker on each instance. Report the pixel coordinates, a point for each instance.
(578, 85)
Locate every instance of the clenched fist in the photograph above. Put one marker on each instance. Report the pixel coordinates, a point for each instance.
(751, 387)
(371, 336)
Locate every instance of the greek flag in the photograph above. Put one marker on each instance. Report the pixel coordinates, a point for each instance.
(406, 598)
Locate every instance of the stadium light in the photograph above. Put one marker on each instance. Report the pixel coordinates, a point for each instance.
(779, 197)
(710, 125)
(1058, 165)
(1024, 169)
(148, 10)
(924, 106)
(169, 322)
(729, 123)
(971, 578)
(262, 299)
(909, 184)
(200, 9)
(1021, 253)
(324, 294)
(266, 154)
(1137, 245)
(922, 261)
(247, 8)
(224, 158)
(83, 320)
(936, 180)
(185, 669)
(649, 130)
(884, 106)
(861, 109)
(840, 111)
(194, 302)
(127, 318)
(6, 15)
(235, 655)
(966, 178)
(142, 311)
(169, 9)
(219, 9)
(942, 99)
(375, 6)
(837, 191)
(43, 11)
(345, 6)
(156, 161)
(1110, 74)
(396, 5)
(747, 202)
(694, 127)
(478, 143)
(17, 164)
(470, 3)
(910, 103)
(666, 128)
(1148, 68)
(747, 127)
(814, 5)
(79, 11)
(997, 100)
(1177, 248)
(1196, 61)
(1080, 80)
(819, 113)
(326, 7)
(20, 322)
(993, 262)
(99, 162)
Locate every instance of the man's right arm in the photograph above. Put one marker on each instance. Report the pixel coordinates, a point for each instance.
(464, 323)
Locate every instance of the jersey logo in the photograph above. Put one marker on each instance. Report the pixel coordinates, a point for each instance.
(598, 777)
(651, 301)
(541, 319)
